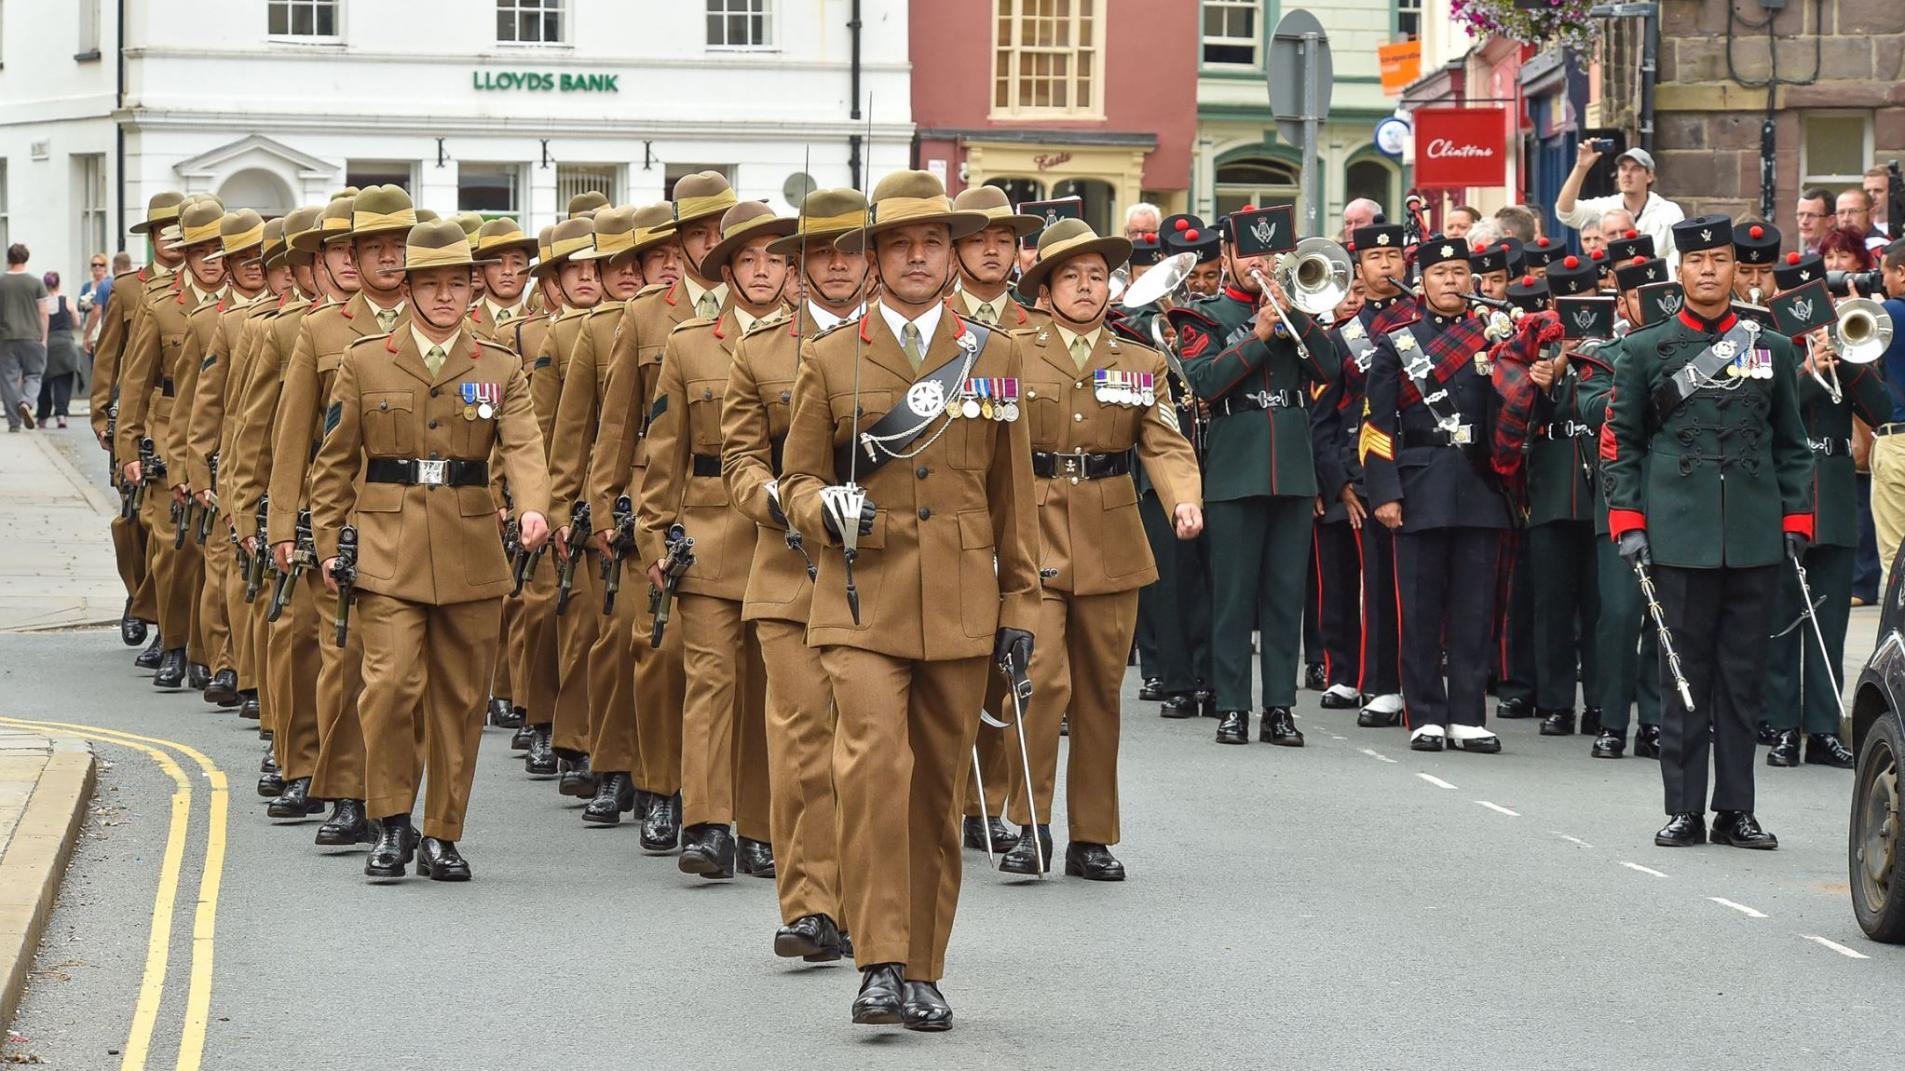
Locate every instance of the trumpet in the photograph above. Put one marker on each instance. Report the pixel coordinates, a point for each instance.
(1861, 336)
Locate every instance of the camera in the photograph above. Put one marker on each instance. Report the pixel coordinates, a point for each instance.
(1870, 283)
(1602, 145)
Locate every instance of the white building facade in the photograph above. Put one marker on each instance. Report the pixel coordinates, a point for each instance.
(506, 107)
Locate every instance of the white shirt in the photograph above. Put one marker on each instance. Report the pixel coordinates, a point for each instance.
(927, 323)
(1656, 219)
(822, 319)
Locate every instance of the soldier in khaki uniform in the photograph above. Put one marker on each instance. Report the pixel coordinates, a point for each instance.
(945, 576)
(523, 335)
(618, 457)
(419, 412)
(146, 400)
(1092, 400)
(115, 329)
(506, 278)
(755, 415)
(724, 735)
(380, 216)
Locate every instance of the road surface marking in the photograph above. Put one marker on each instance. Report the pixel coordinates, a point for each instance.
(1642, 869)
(1377, 755)
(1333, 736)
(1835, 946)
(1499, 809)
(1741, 908)
(1434, 780)
(1571, 840)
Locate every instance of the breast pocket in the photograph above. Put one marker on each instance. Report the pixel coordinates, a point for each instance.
(704, 414)
(778, 400)
(1048, 421)
(873, 406)
(389, 423)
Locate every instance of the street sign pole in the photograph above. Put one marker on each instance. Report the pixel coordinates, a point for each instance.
(1312, 122)
(1299, 76)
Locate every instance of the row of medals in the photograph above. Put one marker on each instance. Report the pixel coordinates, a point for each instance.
(1123, 388)
(1755, 363)
(975, 401)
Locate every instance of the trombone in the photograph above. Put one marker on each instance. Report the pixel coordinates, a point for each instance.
(1316, 276)
(1860, 336)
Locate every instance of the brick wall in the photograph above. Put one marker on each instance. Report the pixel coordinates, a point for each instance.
(1707, 124)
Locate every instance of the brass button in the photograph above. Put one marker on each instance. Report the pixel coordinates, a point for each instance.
(1076, 417)
(707, 394)
(925, 514)
(922, 471)
(786, 396)
(433, 424)
(1079, 385)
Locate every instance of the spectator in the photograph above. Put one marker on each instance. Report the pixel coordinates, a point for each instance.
(1844, 249)
(93, 295)
(1888, 449)
(1814, 216)
(1854, 212)
(1361, 212)
(1482, 235)
(1878, 187)
(1518, 222)
(1141, 219)
(1459, 220)
(1592, 241)
(1634, 175)
(62, 356)
(1616, 222)
(23, 321)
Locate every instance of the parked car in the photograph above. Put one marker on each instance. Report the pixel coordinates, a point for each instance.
(1875, 848)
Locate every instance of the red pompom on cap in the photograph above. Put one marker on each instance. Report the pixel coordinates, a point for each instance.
(1756, 231)
(1190, 235)
(1527, 280)
(1182, 224)
(1248, 208)
(1633, 233)
(1542, 241)
(1151, 236)
(1598, 254)
(1571, 262)
(1792, 258)
(1638, 259)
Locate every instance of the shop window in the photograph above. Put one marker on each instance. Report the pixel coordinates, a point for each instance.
(366, 173)
(1374, 180)
(1259, 183)
(1019, 190)
(89, 181)
(1838, 149)
(674, 173)
(573, 179)
(1408, 19)
(301, 18)
(529, 22)
(1232, 32)
(1045, 57)
(493, 190)
(1097, 197)
(740, 24)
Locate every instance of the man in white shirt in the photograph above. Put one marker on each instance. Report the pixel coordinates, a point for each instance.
(1653, 214)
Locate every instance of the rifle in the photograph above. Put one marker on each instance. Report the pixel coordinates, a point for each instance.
(112, 463)
(303, 556)
(240, 555)
(679, 559)
(181, 522)
(579, 532)
(255, 569)
(208, 515)
(151, 471)
(523, 561)
(344, 571)
(620, 541)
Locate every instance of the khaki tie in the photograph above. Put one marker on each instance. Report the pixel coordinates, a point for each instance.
(987, 314)
(503, 315)
(707, 307)
(1081, 352)
(909, 342)
(434, 360)
(386, 319)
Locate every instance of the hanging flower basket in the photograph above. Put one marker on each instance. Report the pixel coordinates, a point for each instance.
(1540, 23)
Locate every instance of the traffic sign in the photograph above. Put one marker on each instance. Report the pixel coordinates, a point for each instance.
(1299, 75)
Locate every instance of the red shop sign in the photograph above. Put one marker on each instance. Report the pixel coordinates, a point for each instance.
(1460, 146)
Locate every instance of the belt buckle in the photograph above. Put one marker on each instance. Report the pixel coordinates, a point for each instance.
(1460, 434)
(1070, 465)
(1263, 398)
(433, 472)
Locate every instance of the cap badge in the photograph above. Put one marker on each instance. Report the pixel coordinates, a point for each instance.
(1382, 239)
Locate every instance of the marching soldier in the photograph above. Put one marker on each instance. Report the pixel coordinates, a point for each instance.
(1828, 559)
(1188, 234)
(943, 574)
(1425, 454)
(531, 673)
(419, 412)
(724, 733)
(619, 456)
(755, 415)
(1092, 401)
(1260, 485)
(1698, 398)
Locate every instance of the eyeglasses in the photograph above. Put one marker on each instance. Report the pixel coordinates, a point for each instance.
(99, 263)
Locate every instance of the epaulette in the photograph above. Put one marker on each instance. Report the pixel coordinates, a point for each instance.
(772, 323)
(366, 340)
(129, 271)
(481, 343)
(651, 288)
(610, 307)
(825, 331)
(695, 322)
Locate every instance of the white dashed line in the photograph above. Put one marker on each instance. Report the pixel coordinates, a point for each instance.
(1434, 780)
(1835, 946)
(1377, 755)
(1571, 840)
(1333, 736)
(1499, 809)
(1642, 869)
(1741, 908)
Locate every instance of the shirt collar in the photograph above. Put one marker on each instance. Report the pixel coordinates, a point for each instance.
(376, 308)
(973, 301)
(695, 290)
(200, 297)
(423, 341)
(746, 319)
(822, 319)
(499, 313)
(1068, 336)
(927, 323)
(1235, 294)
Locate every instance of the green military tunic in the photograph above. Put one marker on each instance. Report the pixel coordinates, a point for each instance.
(1560, 547)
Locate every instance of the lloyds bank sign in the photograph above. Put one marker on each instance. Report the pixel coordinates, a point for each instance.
(543, 82)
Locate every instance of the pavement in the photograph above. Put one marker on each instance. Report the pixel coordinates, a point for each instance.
(58, 570)
(45, 783)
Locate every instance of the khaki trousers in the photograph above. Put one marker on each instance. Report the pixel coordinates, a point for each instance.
(802, 814)
(994, 767)
(612, 736)
(723, 718)
(661, 688)
(576, 630)
(243, 625)
(214, 623)
(535, 677)
(1888, 498)
(130, 554)
(174, 573)
(1078, 666)
(500, 682)
(339, 708)
(418, 687)
(293, 662)
(902, 746)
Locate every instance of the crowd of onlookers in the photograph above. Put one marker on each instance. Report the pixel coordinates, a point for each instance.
(47, 337)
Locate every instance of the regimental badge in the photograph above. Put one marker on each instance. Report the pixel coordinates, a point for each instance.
(1725, 349)
(1264, 232)
(1584, 319)
(1706, 235)
(1802, 308)
(1383, 238)
(927, 399)
(1670, 302)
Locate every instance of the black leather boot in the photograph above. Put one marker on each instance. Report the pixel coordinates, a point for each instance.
(1093, 862)
(577, 779)
(1150, 691)
(1826, 749)
(346, 826)
(707, 850)
(1559, 722)
(153, 654)
(661, 825)
(755, 858)
(271, 783)
(249, 709)
(1020, 859)
(1610, 744)
(1647, 742)
(1279, 728)
(1785, 749)
(1234, 728)
(540, 760)
(171, 673)
(1183, 705)
(524, 736)
(1003, 840)
(438, 860)
(814, 938)
(223, 689)
(132, 631)
(395, 846)
(614, 797)
(295, 801)
(1590, 721)
(197, 676)
(1514, 708)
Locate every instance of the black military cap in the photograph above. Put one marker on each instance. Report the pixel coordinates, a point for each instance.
(1798, 270)
(1376, 236)
(1514, 253)
(1757, 244)
(1542, 252)
(1639, 271)
(1630, 245)
(1188, 234)
(1437, 248)
(1574, 275)
(1702, 232)
(1145, 250)
(1529, 293)
(1484, 261)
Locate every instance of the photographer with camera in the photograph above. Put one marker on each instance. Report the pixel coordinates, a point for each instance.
(1634, 176)
(1888, 442)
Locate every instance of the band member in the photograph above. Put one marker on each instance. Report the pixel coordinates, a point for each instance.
(944, 570)
(1260, 484)
(1489, 268)
(1431, 416)
(1757, 246)
(1093, 400)
(1188, 234)
(800, 713)
(1698, 398)
(1828, 560)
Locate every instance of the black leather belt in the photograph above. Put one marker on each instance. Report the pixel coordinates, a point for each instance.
(166, 388)
(1239, 402)
(427, 472)
(1830, 447)
(1080, 466)
(1567, 429)
(707, 464)
(1896, 427)
(1462, 436)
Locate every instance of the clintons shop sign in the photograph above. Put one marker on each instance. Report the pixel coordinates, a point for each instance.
(1460, 146)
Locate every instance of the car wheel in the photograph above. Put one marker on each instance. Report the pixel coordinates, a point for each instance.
(1874, 845)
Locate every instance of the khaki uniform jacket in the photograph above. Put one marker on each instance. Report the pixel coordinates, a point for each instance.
(115, 331)
(684, 422)
(199, 353)
(522, 336)
(258, 412)
(929, 588)
(489, 330)
(251, 336)
(1089, 530)
(1013, 316)
(149, 378)
(579, 411)
(550, 366)
(755, 415)
(434, 545)
(628, 391)
(322, 339)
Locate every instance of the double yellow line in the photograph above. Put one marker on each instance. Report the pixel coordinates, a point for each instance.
(198, 998)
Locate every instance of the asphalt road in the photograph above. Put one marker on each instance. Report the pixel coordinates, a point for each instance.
(1352, 904)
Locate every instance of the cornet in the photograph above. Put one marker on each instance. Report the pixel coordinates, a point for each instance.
(1860, 336)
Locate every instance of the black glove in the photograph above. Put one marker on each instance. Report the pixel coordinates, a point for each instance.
(1014, 644)
(774, 509)
(833, 527)
(1796, 544)
(1634, 547)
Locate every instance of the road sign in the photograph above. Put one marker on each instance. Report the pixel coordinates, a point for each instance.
(1299, 75)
